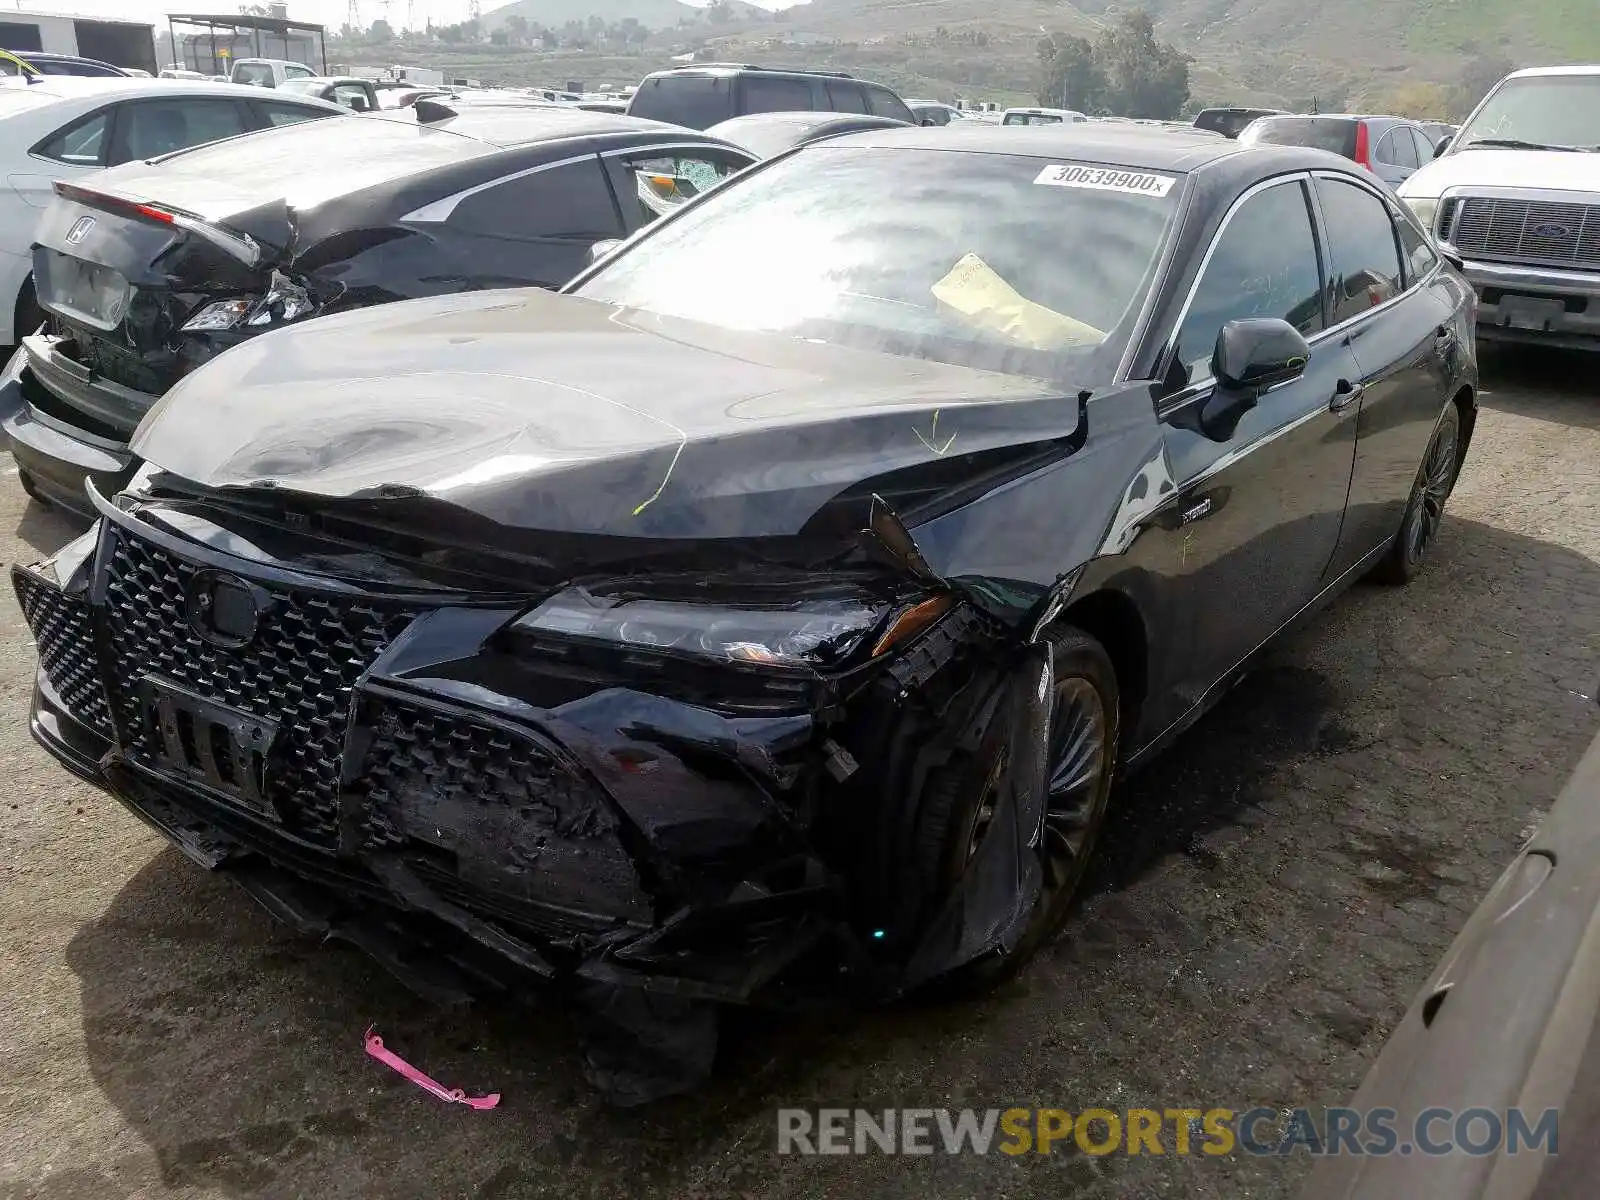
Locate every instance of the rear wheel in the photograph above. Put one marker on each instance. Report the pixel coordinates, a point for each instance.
(1436, 479)
(959, 804)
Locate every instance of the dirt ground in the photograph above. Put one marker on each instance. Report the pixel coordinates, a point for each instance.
(1273, 892)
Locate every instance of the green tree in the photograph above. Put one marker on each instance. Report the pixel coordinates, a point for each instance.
(1070, 76)
(381, 31)
(517, 27)
(1145, 77)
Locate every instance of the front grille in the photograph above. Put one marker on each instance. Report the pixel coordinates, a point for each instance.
(493, 818)
(60, 625)
(299, 670)
(1533, 231)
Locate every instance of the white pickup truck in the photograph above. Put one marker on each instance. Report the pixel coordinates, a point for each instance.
(1516, 196)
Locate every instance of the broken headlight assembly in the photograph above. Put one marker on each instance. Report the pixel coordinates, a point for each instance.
(283, 302)
(803, 633)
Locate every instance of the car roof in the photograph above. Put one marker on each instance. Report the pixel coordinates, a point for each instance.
(1141, 146)
(112, 88)
(740, 68)
(507, 125)
(802, 116)
(1336, 117)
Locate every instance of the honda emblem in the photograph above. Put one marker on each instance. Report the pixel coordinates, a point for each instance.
(80, 230)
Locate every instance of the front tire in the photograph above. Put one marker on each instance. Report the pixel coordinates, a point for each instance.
(1085, 727)
(1436, 479)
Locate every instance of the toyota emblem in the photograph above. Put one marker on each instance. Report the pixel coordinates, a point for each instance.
(224, 609)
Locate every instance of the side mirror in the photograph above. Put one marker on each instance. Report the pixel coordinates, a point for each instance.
(1449, 254)
(929, 121)
(1444, 144)
(1251, 355)
(602, 248)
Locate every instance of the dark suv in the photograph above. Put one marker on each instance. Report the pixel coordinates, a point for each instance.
(704, 95)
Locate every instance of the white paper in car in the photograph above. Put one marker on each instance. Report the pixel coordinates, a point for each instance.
(1105, 179)
(973, 289)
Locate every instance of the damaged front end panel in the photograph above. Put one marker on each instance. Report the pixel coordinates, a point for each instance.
(658, 792)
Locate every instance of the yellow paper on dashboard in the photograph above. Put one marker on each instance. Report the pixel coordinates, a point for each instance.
(974, 290)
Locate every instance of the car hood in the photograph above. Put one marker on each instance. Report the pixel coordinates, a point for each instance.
(1557, 170)
(549, 412)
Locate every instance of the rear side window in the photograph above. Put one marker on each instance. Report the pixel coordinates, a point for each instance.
(82, 144)
(663, 181)
(695, 101)
(1397, 148)
(885, 103)
(275, 113)
(566, 202)
(1425, 146)
(1365, 266)
(293, 72)
(1414, 248)
(352, 96)
(845, 97)
(1322, 133)
(764, 93)
(151, 128)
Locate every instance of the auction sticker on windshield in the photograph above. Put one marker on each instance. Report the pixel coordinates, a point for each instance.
(1106, 179)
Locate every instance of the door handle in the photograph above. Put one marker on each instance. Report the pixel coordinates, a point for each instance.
(1346, 394)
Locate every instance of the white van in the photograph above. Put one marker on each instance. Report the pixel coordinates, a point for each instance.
(1042, 116)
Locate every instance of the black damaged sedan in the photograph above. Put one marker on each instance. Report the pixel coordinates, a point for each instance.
(779, 605)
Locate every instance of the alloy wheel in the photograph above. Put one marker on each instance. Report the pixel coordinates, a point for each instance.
(1433, 489)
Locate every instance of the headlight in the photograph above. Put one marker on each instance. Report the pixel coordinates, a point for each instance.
(1426, 209)
(284, 301)
(800, 633)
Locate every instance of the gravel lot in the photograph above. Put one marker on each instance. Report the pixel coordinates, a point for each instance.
(1273, 892)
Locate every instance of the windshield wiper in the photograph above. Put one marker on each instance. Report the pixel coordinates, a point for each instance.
(1519, 144)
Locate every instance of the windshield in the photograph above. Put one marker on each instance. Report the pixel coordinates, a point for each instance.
(1544, 110)
(1008, 263)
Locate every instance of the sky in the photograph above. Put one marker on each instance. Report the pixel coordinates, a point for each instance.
(327, 12)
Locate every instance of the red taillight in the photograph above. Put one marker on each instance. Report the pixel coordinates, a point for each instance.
(1363, 150)
(84, 195)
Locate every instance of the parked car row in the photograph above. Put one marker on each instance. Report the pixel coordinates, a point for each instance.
(153, 268)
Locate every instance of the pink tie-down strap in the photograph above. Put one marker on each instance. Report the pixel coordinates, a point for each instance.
(389, 1058)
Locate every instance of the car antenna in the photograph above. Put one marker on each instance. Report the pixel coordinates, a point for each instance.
(429, 111)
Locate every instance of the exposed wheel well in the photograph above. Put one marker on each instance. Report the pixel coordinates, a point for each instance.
(1469, 417)
(1114, 621)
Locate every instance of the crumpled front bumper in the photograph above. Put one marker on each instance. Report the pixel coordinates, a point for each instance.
(620, 838)
(379, 763)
